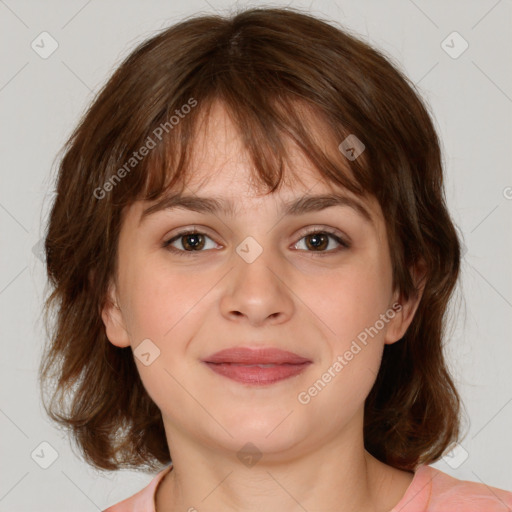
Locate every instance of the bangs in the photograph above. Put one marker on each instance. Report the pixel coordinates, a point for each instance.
(270, 126)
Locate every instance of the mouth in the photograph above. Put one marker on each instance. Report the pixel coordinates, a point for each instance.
(262, 366)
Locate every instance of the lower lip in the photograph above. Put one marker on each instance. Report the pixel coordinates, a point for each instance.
(256, 374)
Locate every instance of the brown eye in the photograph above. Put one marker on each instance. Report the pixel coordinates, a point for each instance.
(188, 242)
(193, 242)
(319, 241)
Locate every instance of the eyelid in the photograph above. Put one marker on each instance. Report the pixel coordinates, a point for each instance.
(341, 238)
(325, 229)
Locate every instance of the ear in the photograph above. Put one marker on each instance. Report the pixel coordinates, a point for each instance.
(404, 314)
(112, 317)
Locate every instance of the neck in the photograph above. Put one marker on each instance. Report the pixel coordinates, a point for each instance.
(339, 476)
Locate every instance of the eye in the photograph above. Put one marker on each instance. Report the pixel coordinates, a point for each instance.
(192, 241)
(318, 241)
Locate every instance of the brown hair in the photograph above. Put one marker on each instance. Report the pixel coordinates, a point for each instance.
(264, 65)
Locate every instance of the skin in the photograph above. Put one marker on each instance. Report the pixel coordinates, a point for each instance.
(290, 297)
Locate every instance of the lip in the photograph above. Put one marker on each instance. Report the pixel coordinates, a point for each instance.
(245, 355)
(241, 364)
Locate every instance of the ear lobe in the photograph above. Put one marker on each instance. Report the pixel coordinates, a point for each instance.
(404, 315)
(113, 320)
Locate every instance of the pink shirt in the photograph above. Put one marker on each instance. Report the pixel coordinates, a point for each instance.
(430, 490)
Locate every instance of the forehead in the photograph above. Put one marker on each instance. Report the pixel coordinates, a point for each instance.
(220, 163)
(220, 166)
(218, 148)
(220, 170)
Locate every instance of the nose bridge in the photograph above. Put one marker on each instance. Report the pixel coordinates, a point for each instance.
(257, 290)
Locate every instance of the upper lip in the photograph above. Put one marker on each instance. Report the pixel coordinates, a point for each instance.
(245, 355)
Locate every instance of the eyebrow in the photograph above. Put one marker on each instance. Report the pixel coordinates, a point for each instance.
(217, 205)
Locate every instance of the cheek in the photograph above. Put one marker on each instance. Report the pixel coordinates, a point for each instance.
(352, 298)
(350, 304)
(162, 299)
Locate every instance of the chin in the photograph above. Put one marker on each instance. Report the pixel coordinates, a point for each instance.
(273, 432)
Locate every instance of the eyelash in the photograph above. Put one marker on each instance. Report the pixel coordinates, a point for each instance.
(344, 244)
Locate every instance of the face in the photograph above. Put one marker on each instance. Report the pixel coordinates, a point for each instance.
(315, 283)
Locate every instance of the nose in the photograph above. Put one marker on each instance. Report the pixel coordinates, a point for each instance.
(258, 292)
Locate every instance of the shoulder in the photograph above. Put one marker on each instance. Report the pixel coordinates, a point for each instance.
(449, 494)
(142, 501)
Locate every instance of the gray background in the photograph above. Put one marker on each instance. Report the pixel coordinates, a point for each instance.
(42, 99)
